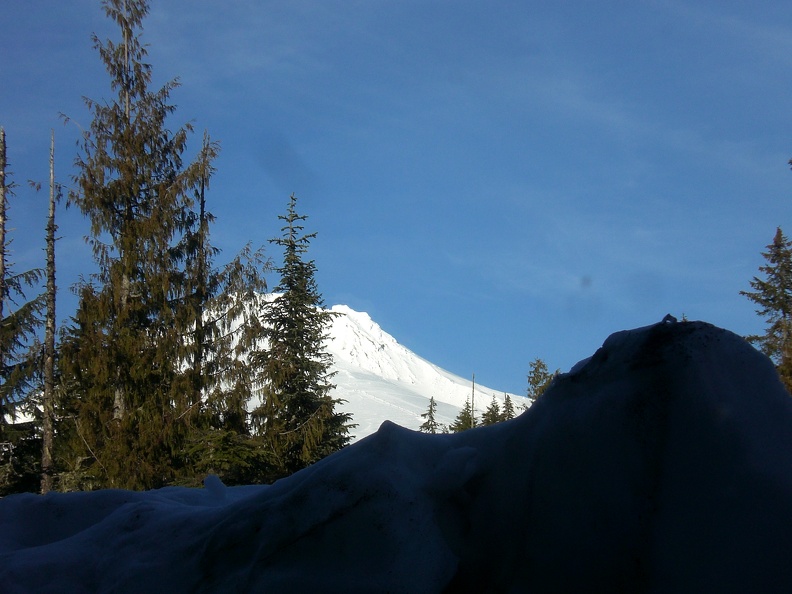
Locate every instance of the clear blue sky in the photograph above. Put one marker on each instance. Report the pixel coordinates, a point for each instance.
(491, 181)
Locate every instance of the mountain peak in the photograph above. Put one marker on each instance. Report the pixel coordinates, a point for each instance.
(381, 379)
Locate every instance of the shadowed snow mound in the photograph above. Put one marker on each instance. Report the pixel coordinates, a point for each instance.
(661, 464)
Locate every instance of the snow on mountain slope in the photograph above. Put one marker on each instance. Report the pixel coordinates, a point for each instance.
(383, 380)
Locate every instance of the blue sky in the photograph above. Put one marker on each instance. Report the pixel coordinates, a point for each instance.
(491, 181)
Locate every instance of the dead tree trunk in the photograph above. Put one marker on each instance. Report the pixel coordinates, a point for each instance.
(48, 403)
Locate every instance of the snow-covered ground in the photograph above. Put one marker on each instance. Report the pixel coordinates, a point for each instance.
(661, 464)
(382, 380)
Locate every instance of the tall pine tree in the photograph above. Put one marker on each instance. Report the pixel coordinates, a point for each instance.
(220, 313)
(223, 376)
(19, 319)
(773, 295)
(19, 351)
(297, 418)
(122, 353)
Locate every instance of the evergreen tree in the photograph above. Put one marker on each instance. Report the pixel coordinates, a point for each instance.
(773, 295)
(539, 378)
(465, 419)
(508, 408)
(222, 329)
(231, 331)
(219, 308)
(19, 321)
(122, 352)
(430, 425)
(493, 413)
(196, 285)
(297, 417)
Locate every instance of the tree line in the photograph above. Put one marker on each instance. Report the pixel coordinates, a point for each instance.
(152, 376)
(539, 380)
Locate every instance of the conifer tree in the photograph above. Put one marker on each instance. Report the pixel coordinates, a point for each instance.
(539, 378)
(493, 413)
(773, 295)
(465, 419)
(216, 314)
(226, 373)
(297, 417)
(508, 408)
(430, 425)
(123, 369)
(195, 284)
(19, 320)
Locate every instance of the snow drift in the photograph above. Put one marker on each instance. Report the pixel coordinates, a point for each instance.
(661, 464)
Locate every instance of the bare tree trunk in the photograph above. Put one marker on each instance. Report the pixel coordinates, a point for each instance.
(3, 289)
(473, 404)
(201, 273)
(200, 299)
(119, 405)
(48, 403)
(119, 402)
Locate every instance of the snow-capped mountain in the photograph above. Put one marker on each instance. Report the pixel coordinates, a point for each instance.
(382, 380)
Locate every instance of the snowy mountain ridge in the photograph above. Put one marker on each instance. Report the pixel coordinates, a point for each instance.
(381, 379)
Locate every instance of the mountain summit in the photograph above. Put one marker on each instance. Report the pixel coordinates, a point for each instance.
(382, 380)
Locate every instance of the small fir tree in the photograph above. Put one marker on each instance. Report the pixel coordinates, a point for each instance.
(465, 419)
(773, 295)
(430, 425)
(297, 418)
(493, 413)
(539, 378)
(508, 408)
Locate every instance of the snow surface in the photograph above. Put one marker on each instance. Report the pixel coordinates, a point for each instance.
(661, 464)
(382, 380)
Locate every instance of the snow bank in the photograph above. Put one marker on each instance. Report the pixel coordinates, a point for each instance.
(663, 463)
